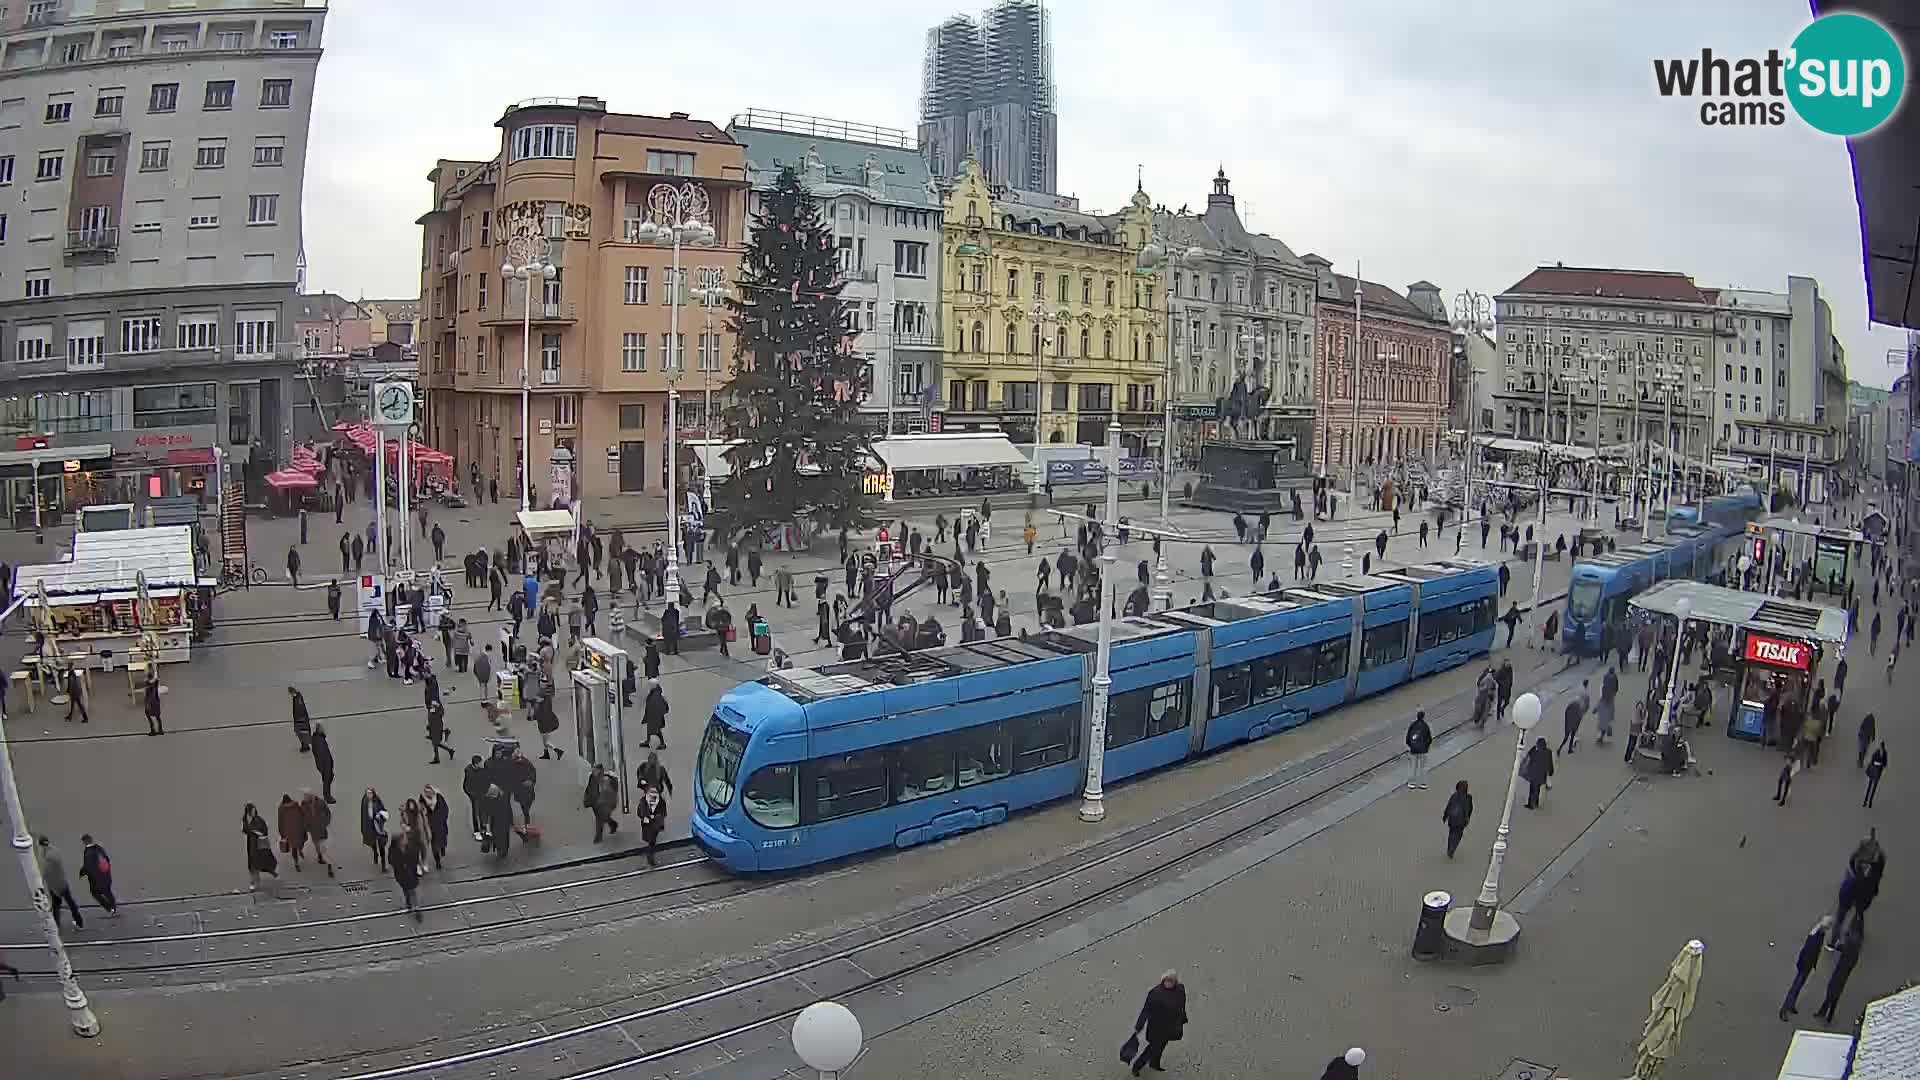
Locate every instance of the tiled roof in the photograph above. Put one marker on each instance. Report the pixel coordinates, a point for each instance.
(1664, 285)
(1377, 298)
(664, 127)
(1216, 231)
(327, 307)
(768, 152)
(1889, 1043)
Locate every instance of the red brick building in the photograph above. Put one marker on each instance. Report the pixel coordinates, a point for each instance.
(1405, 353)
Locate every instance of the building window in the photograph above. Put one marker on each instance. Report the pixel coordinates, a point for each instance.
(52, 165)
(185, 405)
(201, 331)
(153, 156)
(210, 154)
(86, 345)
(709, 357)
(204, 213)
(543, 141)
(255, 333)
(163, 97)
(33, 343)
(276, 93)
(284, 39)
(480, 296)
(480, 354)
(141, 334)
(668, 163)
(229, 39)
(633, 356)
(59, 109)
(566, 410)
(263, 209)
(1064, 286)
(175, 44)
(6, 169)
(636, 285)
(219, 95)
(110, 102)
(269, 152)
(39, 285)
(633, 417)
(549, 358)
(100, 163)
(909, 259)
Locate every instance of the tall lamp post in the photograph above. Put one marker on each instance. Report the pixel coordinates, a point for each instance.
(529, 258)
(1485, 926)
(710, 288)
(1037, 470)
(1092, 806)
(676, 215)
(1473, 316)
(1160, 254)
(1681, 610)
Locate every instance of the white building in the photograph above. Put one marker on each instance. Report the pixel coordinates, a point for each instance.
(1782, 385)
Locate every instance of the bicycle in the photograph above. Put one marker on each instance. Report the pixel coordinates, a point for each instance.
(232, 577)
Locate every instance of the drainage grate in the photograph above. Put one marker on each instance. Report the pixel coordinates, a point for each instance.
(1527, 1070)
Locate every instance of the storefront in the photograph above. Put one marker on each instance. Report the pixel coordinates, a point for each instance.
(951, 463)
(1772, 668)
(44, 482)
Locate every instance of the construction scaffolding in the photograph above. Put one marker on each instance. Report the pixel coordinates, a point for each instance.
(987, 93)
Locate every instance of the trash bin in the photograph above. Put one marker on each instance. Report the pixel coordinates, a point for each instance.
(1430, 936)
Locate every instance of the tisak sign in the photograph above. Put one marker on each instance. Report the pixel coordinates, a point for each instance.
(1779, 652)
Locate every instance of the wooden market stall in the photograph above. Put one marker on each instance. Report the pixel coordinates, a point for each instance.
(127, 596)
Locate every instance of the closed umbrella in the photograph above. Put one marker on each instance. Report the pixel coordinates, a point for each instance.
(1672, 1004)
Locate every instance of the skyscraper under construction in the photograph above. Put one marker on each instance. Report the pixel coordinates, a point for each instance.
(987, 92)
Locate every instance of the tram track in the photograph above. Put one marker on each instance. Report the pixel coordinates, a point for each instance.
(913, 940)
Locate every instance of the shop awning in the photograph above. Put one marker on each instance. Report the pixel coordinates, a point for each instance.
(291, 480)
(960, 450)
(539, 523)
(1748, 610)
(198, 455)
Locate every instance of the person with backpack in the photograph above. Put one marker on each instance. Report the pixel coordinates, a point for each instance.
(1458, 813)
(97, 869)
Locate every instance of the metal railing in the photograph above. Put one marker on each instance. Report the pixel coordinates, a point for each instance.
(101, 238)
(822, 127)
(513, 311)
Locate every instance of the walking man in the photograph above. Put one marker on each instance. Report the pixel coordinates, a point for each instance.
(1458, 813)
(1419, 741)
(1875, 766)
(1805, 963)
(53, 871)
(97, 868)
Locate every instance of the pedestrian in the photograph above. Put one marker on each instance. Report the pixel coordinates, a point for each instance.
(1458, 813)
(150, 702)
(373, 826)
(323, 761)
(1536, 769)
(437, 731)
(359, 554)
(439, 538)
(655, 715)
(1419, 741)
(1570, 727)
(76, 695)
(546, 722)
(1804, 964)
(1346, 1066)
(404, 860)
(1784, 782)
(652, 812)
(302, 720)
(520, 773)
(1875, 766)
(260, 859)
(473, 784)
(97, 869)
(293, 565)
(496, 816)
(433, 806)
(319, 819)
(1163, 1019)
(1868, 729)
(293, 830)
(1503, 687)
(1848, 956)
(602, 794)
(653, 774)
(333, 599)
(589, 611)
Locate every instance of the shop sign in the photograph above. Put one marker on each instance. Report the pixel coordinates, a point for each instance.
(877, 483)
(162, 440)
(1197, 412)
(1779, 652)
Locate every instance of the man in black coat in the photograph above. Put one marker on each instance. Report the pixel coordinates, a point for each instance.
(474, 784)
(1164, 1019)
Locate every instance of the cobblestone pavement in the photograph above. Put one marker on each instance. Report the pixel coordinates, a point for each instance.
(168, 809)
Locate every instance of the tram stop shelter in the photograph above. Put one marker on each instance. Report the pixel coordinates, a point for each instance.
(1793, 542)
(1777, 644)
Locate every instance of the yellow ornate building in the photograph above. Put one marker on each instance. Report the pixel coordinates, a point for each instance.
(1052, 322)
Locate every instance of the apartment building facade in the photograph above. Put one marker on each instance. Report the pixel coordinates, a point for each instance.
(874, 192)
(152, 158)
(1243, 306)
(1052, 329)
(571, 185)
(1384, 396)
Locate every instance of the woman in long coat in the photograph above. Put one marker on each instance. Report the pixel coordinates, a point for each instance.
(293, 829)
(373, 826)
(260, 859)
(1164, 1019)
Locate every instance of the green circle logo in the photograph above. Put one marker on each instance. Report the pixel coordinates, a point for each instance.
(1848, 74)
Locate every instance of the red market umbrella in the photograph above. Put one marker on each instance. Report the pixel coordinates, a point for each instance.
(291, 480)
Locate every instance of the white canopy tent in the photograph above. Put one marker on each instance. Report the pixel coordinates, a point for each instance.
(1748, 610)
(950, 450)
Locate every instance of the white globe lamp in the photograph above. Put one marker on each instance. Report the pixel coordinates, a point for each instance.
(1526, 711)
(827, 1037)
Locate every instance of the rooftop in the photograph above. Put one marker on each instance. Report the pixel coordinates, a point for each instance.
(1378, 298)
(1668, 286)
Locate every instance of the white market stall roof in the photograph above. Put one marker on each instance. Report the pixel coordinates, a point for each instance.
(1502, 444)
(1808, 528)
(713, 456)
(1889, 1044)
(107, 562)
(956, 450)
(539, 523)
(1751, 610)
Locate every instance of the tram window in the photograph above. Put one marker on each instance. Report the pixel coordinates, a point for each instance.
(720, 753)
(981, 754)
(1231, 688)
(1483, 615)
(1044, 739)
(921, 768)
(849, 783)
(1382, 645)
(1299, 664)
(1331, 664)
(1167, 707)
(772, 796)
(1149, 711)
(1269, 677)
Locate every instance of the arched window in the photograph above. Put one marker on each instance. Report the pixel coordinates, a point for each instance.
(1136, 348)
(1106, 344)
(1149, 348)
(1011, 340)
(979, 338)
(1036, 339)
(1086, 343)
(1060, 343)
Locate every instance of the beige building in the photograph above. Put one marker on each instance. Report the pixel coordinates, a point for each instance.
(574, 182)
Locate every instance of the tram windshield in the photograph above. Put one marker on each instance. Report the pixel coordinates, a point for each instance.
(1583, 598)
(719, 764)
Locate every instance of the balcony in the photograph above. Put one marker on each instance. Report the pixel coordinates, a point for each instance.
(510, 313)
(104, 240)
(916, 339)
(224, 356)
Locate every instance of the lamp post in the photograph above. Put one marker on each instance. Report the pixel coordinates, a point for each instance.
(1546, 487)
(1353, 358)
(1473, 315)
(1161, 254)
(1037, 470)
(828, 1038)
(710, 289)
(1091, 806)
(1488, 924)
(676, 215)
(529, 258)
(79, 1012)
(1681, 609)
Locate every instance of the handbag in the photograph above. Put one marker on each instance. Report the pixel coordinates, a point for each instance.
(1130, 1049)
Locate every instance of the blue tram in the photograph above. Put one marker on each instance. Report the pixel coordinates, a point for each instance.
(810, 765)
(1601, 585)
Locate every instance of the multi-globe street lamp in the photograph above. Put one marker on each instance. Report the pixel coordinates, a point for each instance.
(1472, 316)
(1486, 926)
(676, 215)
(529, 258)
(710, 288)
(1037, 469)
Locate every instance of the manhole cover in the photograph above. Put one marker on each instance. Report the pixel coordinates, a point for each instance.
(1528, 1070)
(1455, 997)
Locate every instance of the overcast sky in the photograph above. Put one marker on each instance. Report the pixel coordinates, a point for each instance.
(1462, 143)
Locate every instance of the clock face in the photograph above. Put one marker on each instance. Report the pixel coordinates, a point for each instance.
(396, 403)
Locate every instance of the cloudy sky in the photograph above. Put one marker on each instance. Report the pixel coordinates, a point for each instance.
(1462, 143)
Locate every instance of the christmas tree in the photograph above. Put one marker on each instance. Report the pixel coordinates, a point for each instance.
(796, 384)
